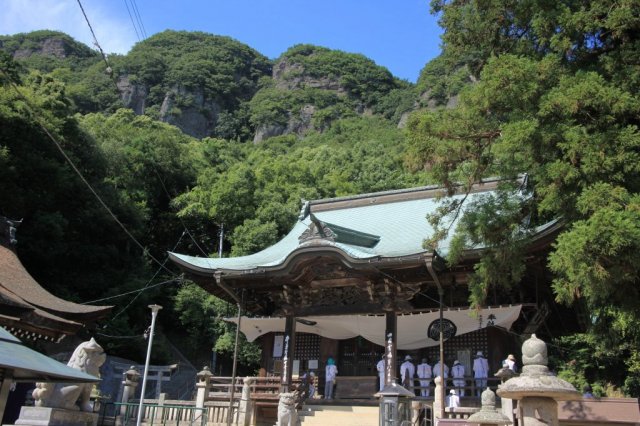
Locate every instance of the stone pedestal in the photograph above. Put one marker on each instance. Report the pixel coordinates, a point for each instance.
(537, 411)
(46, 416)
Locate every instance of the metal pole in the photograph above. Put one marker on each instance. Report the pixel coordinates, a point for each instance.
(429, 263)
(441, 293)
(233, 372)
(154, 314)
(221, 234)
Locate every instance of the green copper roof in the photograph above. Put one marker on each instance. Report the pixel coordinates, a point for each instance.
(364, 227)
(27, 365)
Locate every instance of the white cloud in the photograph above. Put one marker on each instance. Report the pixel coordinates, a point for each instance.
(113, 29)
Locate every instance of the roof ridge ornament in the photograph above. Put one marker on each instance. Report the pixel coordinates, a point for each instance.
(317, 230)
(304, 210)
(9, 227)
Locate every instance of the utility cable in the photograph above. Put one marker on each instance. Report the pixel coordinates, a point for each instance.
(147, 286)
(164, 187)
(136, 12)
(79, 173)
(126, 3)
(95, 39)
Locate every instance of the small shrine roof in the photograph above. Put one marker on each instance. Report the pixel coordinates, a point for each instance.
(31, 311)
(363, 228)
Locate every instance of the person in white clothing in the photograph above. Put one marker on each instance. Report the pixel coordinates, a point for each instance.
(453, 400)
(407, 372)
(510, 362)
(457, 372)
(381, 367)
(330, 373)
(436, 370)
(480, 372)
(424, 373)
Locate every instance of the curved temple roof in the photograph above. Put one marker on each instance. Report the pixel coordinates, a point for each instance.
(363, 228)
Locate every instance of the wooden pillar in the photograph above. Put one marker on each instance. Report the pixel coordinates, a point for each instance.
(391, 342)
(288, 351)
(6, 379)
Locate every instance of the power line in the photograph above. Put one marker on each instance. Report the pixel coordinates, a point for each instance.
(146, 287)
(95, 39)
(137, 336)
(136, 11)
(126, 3)
(166, 192)
(79, 173)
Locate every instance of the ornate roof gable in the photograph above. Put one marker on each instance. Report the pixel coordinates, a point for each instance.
(319, 230)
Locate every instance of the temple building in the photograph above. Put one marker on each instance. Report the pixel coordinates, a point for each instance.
(353, 275)
(29, 311)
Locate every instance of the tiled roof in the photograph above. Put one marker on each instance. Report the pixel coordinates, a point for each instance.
(29, 307)
(374, 226)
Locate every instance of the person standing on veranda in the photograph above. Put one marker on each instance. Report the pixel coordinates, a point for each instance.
(480, 372)
(457, 373)
(381, 367)
(331, 371)
(407, 373)
(424, 373)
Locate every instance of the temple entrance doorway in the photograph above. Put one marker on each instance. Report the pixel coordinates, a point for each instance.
(358, 357)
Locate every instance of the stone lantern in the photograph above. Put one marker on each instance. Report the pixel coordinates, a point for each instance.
(488, 415)
(395, 405)
(536, 388)
(130, 382)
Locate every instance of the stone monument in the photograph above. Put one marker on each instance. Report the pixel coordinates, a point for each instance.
(67, 404)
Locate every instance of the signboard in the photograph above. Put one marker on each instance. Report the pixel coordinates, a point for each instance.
(278, 346)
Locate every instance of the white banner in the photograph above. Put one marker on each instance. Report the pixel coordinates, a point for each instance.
(412, 328)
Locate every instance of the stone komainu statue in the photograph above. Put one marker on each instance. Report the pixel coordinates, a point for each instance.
(287, 414)
(88, 357)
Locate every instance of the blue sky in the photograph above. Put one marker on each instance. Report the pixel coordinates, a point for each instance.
(401, 35)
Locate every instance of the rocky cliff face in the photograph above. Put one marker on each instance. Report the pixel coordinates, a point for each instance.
(52, 44)
(133, 95)
(288, 75)
(190, 111)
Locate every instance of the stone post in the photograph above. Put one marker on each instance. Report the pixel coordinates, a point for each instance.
(537, 390)
(504, 374)
(488, 415)
(246, 405)
(202, 389)
(130, 382)
(438, 394)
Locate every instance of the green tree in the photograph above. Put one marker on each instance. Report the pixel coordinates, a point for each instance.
(556, 98)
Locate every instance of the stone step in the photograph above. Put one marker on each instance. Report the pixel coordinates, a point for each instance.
(324, 415)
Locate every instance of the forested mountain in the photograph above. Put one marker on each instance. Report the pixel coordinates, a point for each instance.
(192, 133)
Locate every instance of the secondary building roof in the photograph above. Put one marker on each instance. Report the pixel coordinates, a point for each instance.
(30, 311)
(27, 365)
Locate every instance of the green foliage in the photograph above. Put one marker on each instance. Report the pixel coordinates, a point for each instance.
(358, 75)
(202, 316)
(211, 68)
(550, 102)
(255, 190)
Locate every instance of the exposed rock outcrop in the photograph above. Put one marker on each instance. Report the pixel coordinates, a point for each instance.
(190, 111)
(291, 76)
(133, 95)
